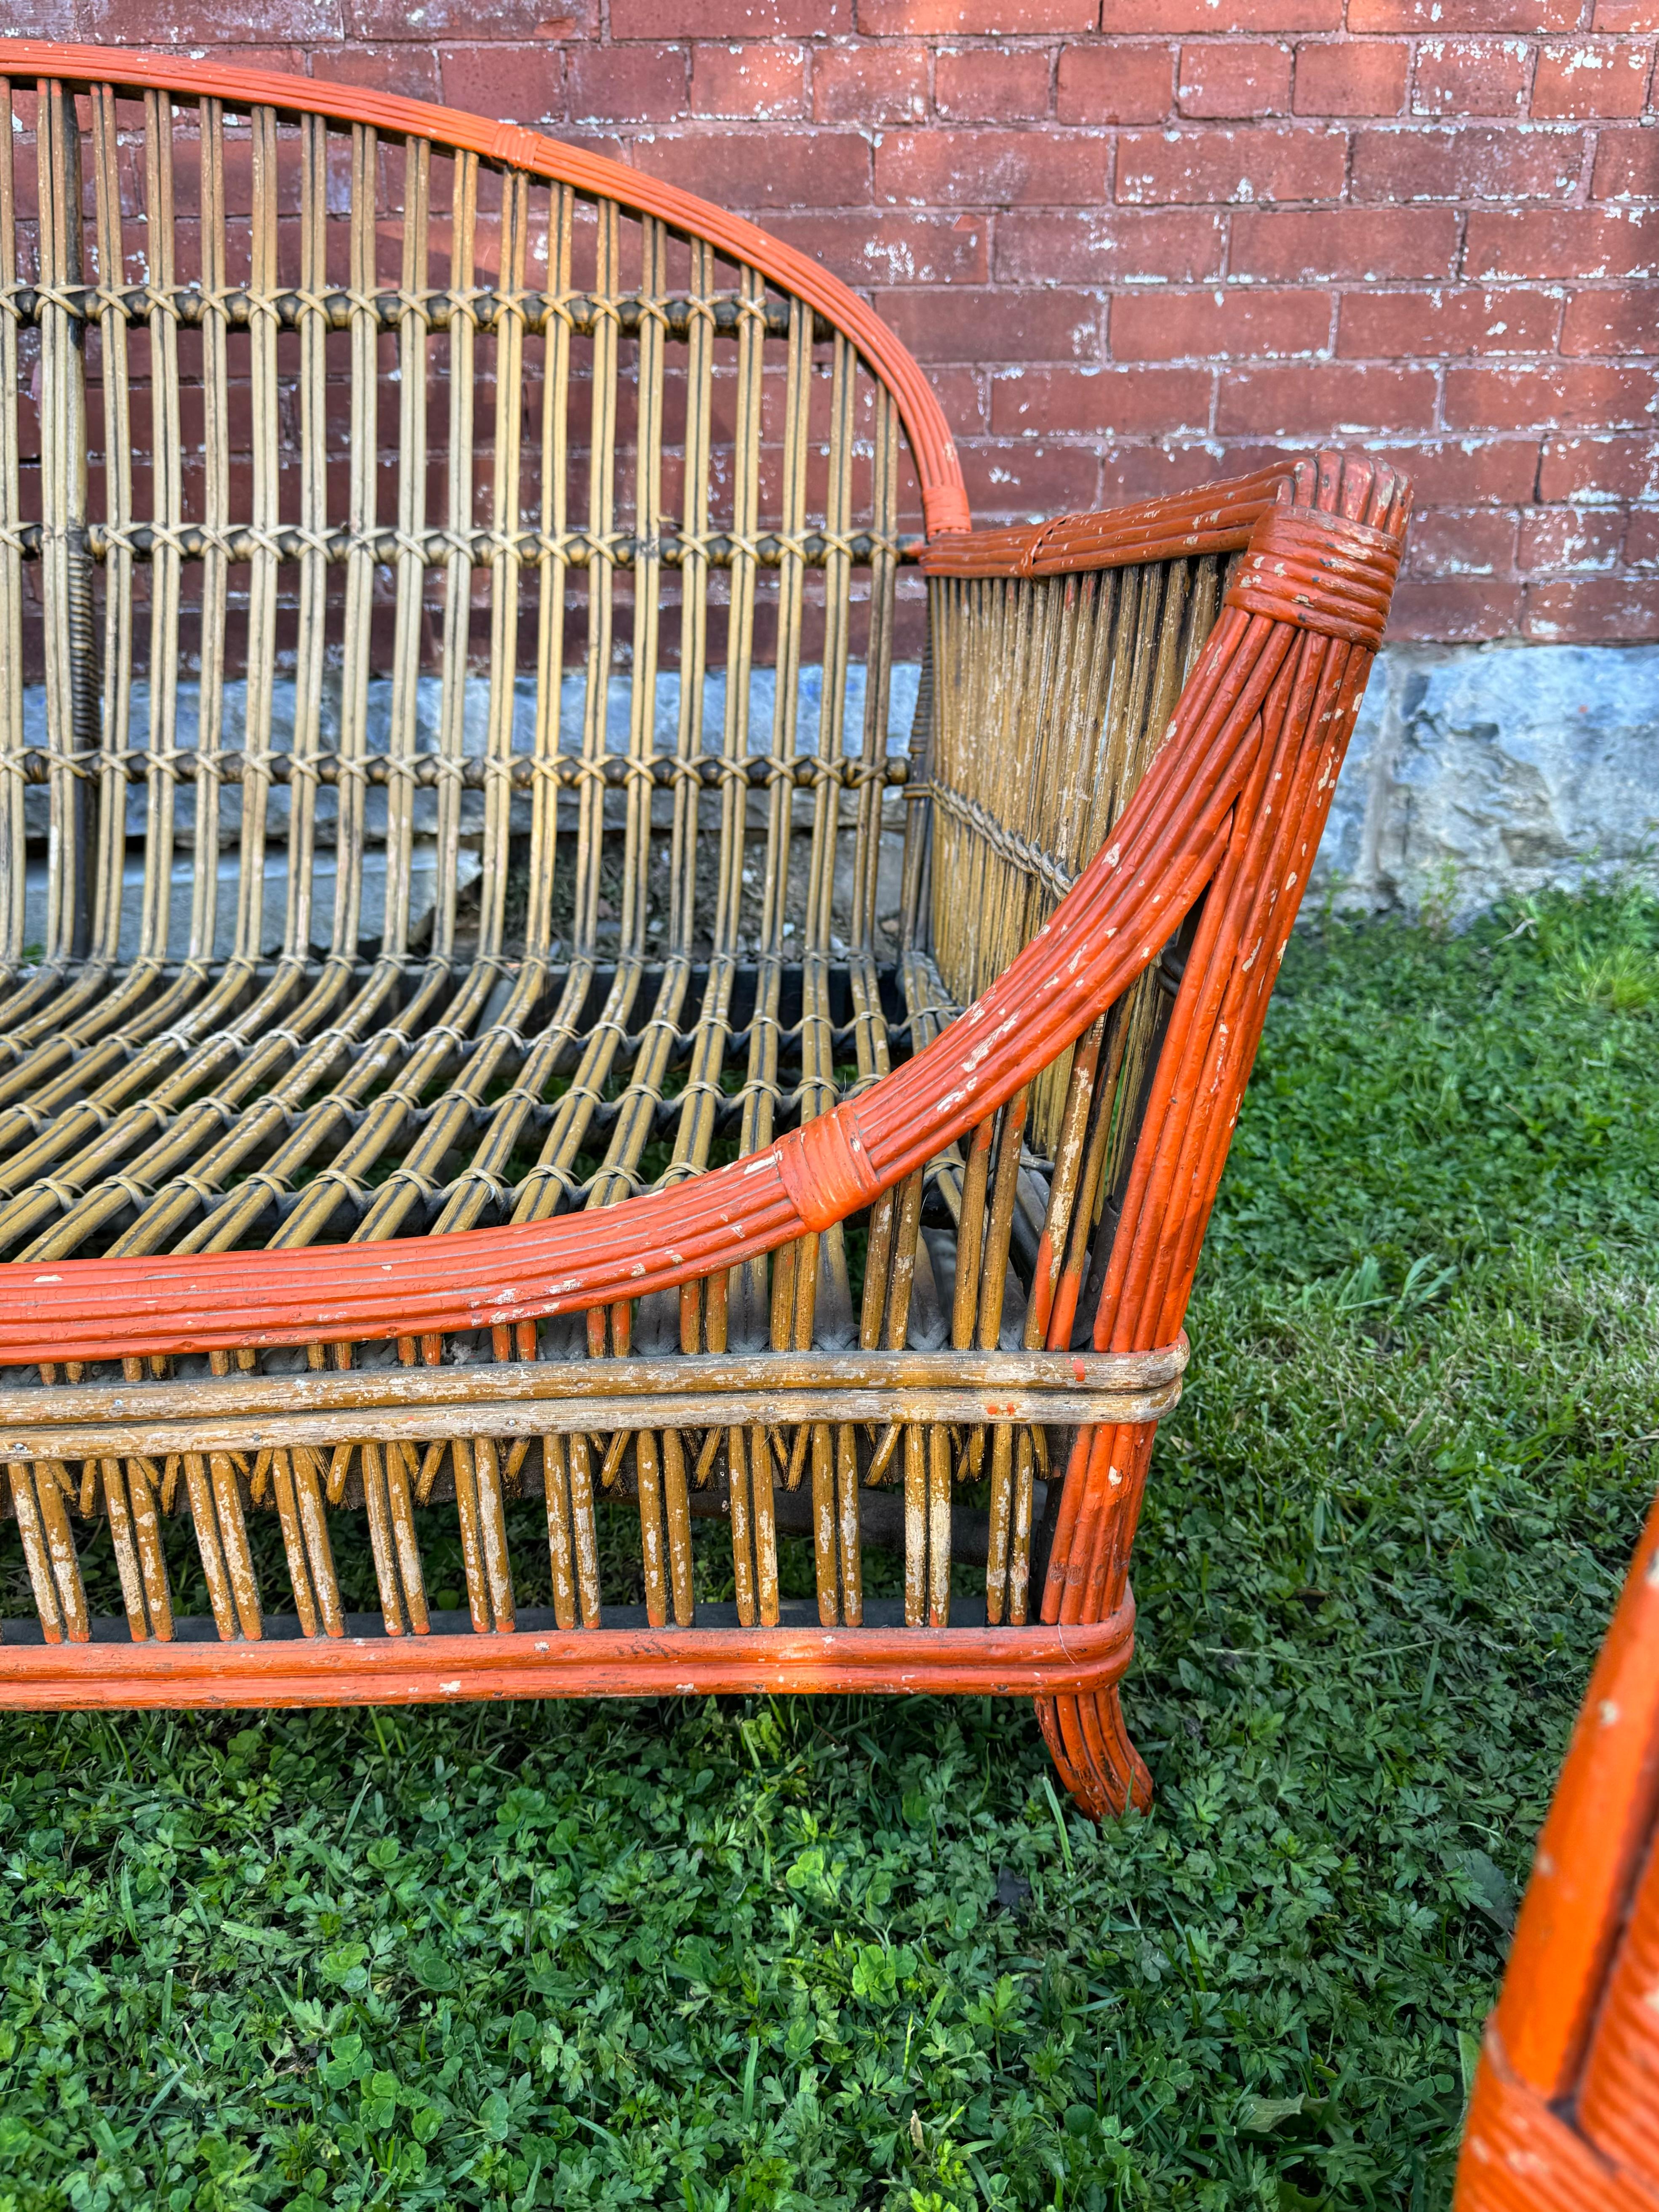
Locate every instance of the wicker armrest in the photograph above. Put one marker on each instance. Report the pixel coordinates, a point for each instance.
(1311, 555)
(1215, 519)
(1563, 2110)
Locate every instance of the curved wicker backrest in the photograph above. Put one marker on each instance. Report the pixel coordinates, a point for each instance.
(443, 544)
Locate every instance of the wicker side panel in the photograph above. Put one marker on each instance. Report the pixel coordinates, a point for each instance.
(1049, 697)
(420, 1456)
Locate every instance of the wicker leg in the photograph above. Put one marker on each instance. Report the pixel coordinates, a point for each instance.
(1095, 1760)
(1088, 1579)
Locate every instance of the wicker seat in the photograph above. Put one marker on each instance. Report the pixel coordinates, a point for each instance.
(554, 950)
(1564, 2114)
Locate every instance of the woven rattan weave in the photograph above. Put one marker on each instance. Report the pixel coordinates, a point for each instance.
(537, 1052)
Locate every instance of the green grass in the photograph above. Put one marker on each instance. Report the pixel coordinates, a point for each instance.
(718, 1956)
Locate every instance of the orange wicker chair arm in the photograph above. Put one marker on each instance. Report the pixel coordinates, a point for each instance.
(1274, 694)
(1563, 2112)
(1218, 518)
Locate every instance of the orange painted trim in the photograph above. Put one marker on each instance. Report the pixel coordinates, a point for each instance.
(587, 1662)
(1216, 519)
(1323, 572)
(1520, 2155)
(1591, 1846)
(944, 500)
(1618, 2098)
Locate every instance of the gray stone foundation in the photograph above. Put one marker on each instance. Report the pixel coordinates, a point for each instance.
(1478, 772)
(1475, 772)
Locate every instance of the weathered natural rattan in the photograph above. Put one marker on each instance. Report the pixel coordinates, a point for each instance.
(1565, 2115)
(483, 985)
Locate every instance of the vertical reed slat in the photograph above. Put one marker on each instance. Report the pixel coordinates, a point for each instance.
(215, 515)
(166, 514)
(414, 326)
(350, 811)
(694, 601)
(505, 466)
(64, 586)
(12, 855)
(265, 514)
(601, 574)
(117, 690)
(552, 571)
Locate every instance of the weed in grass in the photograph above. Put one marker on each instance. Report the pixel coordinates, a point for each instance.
(726, 1956)
(1624, 981)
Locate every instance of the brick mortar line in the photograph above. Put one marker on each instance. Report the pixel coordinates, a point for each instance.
(1292, 42)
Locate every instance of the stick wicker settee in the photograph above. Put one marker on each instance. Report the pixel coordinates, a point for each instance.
(513, 992)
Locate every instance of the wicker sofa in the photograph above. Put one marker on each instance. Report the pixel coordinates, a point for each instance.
(512, 987)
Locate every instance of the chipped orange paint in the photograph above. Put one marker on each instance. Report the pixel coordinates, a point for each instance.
(1565, 2111)
(578, 1662)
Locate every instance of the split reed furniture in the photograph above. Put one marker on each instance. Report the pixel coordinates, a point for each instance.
(1565, 2115)
(514, 990)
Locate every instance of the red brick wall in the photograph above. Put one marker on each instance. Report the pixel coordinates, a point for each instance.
(1136, 239)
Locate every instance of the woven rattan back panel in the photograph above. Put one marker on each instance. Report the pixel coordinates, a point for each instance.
(412, 553)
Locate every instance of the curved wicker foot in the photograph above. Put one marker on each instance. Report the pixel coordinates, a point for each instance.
(1090, 1747)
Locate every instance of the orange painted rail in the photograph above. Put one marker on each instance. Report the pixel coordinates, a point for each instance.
(1565, 2115)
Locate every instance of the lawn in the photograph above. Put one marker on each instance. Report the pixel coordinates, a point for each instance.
(724, 1956)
